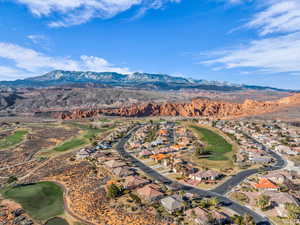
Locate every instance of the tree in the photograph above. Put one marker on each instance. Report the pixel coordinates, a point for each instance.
(293, 211)
(181, 193)
(114, 191)
(234, 157)
(12, 179)
(211, 219)
(204, 203)
(135, 198)
(263, 202)
(283, 188)
(243, 220)
(248, 220)
(200, 151)
(237, 219)
(214, 202)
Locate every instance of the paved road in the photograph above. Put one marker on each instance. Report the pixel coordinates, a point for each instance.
(238, 178)
(170, 183)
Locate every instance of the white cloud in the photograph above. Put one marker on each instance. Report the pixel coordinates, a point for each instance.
(28, 61)
(276, 49)
(278, 54)
(37, 38)
(7, 73)
(74, 12)
(278, 16)
(93, 63)
(34, 61)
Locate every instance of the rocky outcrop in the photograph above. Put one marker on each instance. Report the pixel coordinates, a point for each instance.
(195, 108)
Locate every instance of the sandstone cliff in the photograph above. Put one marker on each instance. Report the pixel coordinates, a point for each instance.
(196, 108)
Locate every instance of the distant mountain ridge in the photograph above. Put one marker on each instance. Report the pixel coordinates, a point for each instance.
(135, 80)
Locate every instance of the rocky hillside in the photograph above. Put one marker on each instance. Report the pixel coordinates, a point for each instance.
(29, 100)
(195, 108)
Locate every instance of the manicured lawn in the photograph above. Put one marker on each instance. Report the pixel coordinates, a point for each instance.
(13, 139)
(88, 133)
(73, 143)
(215, 143)
(42, 200)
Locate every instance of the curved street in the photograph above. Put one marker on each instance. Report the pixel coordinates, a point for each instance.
(227, 186)
(217, 192)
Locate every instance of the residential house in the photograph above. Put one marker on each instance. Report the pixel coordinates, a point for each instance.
(149, 193)
(266, 184)
(145, 153)
(114, 164)
(276, 178)
(84, 153)
(132, 182)
(184, 168)
(160, 157)
(205, 175)
(280, 199)
(220, 217)
(198, 215)
(260, 160)
(163, 132)
(172, 203)
(123, 171)
(285, 150)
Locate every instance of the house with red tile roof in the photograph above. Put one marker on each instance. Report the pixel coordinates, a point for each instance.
(266, 184)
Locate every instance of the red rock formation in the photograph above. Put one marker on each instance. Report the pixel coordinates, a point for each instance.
(195, 108)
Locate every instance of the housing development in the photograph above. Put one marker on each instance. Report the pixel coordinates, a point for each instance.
(149, 112)
(150, 171)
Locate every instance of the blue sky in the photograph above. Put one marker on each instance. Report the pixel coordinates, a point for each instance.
(239, 41)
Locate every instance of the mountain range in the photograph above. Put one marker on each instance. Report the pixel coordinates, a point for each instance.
(135, 80)
(129, 94)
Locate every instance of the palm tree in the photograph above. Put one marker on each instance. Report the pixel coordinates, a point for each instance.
(293, 211)
(248, 220)
(214, 202)
(263, 202)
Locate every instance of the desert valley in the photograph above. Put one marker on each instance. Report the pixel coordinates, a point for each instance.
(149, 112)
(131, 155)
